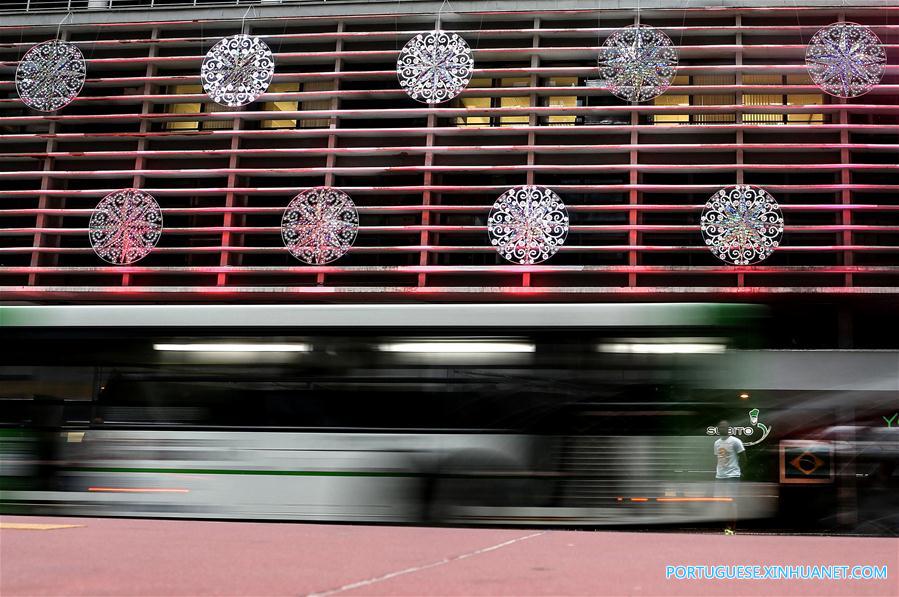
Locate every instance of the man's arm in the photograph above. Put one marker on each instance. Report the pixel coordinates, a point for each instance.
(743, 461)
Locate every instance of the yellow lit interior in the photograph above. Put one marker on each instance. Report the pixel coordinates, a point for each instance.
(318, 104)
(473, 103)
(514, 102)
(281, 106)
(667, 99)
(714, 99)
(562, 101)
(191, 108)
(762, 99)
(800, 99)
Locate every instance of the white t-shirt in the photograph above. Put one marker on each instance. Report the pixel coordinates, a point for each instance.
(728, 464)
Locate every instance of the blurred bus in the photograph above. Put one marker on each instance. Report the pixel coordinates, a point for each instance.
(575, 414)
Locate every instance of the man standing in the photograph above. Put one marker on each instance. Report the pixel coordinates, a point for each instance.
(731, 457)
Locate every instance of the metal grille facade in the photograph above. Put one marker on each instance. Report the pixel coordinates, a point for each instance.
(634, 177)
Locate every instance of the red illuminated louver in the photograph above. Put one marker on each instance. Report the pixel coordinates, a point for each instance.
(634, 177)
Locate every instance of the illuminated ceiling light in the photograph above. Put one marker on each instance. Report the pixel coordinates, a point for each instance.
(435, 67)
(659, 348)
(528, 224)
(50, 75)
(232, 347)
(125, 226)
(237, 70)
(744, 396)
(320, 225)
(458, 347)
(845, 59)
(742, 224)
(637, 63)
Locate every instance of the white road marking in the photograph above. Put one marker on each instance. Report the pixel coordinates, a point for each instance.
(444, 561)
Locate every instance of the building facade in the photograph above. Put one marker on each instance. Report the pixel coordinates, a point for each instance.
(634, 176)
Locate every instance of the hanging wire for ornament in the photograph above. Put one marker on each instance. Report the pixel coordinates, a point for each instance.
(637, 63)
(435, 67)
(845, 59)
(237, 70)
(51, 75)
(320, 225)
(528, 224)
(742, 224)
(125, 226)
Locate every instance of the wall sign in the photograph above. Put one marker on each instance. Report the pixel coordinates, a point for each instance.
(806, 461)
(750, 435)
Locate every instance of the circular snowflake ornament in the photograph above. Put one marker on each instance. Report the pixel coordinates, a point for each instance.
(845, 59)
(237, 70)
(125, 226)
(435, 67)
(637, 63)
(742, 224)
(528, 224)
(51, 75)
(320, 225)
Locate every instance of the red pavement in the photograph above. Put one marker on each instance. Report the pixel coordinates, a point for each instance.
(170, 557)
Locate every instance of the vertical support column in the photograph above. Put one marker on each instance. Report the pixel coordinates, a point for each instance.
(533, 120)
(845, 179)
(140, 162)
(633, 199)
(427, 196)
(44, 202)
(845, 193)
(232, 200)
(633, 195)
(333, 125)
(738, 117)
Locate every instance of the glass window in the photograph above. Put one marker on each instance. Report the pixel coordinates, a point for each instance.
(762, 99)
(189, 108)
(292, 105)
(804, 99)
(515, 102)
(316, 104)
(778, 99)
(713, 99)
(475, 103)
(194, 108)
(562, 101)
(667, 99)
(281, 106)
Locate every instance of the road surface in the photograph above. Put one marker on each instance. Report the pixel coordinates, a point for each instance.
(94, 556)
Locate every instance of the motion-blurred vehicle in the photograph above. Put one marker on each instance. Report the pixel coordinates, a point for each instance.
(475, 414)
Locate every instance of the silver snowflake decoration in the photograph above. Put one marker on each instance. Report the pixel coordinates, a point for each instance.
(51, 75)
(845, 59)
(125, 226)
(435, 67)
(237, 70)
(742, 224)
(528, 224)
(637, 63)
(320, 225)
